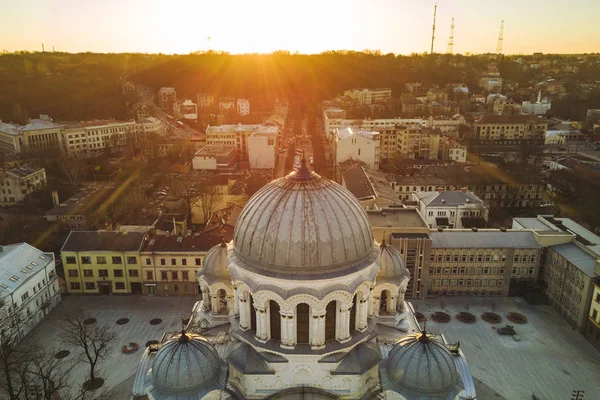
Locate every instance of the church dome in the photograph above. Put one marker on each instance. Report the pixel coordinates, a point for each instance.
(303, 224)
(185, 365)
(421, 364)
(215, 262)
(392, 262)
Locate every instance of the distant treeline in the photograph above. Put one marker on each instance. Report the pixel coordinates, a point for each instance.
(87, 85)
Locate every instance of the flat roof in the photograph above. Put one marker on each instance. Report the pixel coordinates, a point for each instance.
(103, 241)
(591, 240)
(18, 262)
(534, 223)
(484, 240)
(448, 198)
(578, 257)
(396, 217)
(25, 169)
(201, 242)
(509, 119)
(69, 206)
(215, 150)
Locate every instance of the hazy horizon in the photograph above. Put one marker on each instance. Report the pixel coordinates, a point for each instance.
(311, 27)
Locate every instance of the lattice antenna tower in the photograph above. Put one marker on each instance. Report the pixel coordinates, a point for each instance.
(500, 38)
(451, 38)
(433, 30)
(208, 39)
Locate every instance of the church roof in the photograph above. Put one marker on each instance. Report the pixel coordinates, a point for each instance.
(215, 264)
(392, 263)
(303, 224)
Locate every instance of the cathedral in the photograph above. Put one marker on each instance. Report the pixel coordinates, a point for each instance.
(303, 303)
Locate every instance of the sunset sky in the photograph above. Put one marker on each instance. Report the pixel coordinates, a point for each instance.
(307, 26)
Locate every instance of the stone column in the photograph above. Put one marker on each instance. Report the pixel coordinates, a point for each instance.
(287, 330)
(214, 304)
(370, 302)
(244, 312)
(376, 305)
(318, 330)
(236, 304)
(344, 331)
(362, 314)
(261, 324)
(392, 305)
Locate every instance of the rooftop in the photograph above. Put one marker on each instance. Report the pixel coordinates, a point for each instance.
(44, 122)
(447, 198)
(17, 263)
(241, 128)
(396, 217)
(578, 257)
(9, 128)
(535, 224)
(449, 239)
(103, 241)
(202, 242)
(584, 236)
(25, 170)
(509, 119)
(70, 206)
(215, 150)
(344, 133)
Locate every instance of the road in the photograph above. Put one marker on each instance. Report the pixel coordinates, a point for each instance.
(576, 147)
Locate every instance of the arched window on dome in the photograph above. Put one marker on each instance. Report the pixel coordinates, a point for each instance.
(275, 320)
(302, 323)
(353, 314)
(330, 320)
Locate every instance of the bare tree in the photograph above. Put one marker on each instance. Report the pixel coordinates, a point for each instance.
(11, 359)
(93, 340)
(209, 198)
(20, 114)
(72, 166)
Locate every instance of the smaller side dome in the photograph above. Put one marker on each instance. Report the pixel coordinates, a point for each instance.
(215, 262)
(185, 366)
(392, 262)
(421, 365)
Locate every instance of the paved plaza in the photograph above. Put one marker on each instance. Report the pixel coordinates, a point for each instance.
(118, 368)
(550, 360)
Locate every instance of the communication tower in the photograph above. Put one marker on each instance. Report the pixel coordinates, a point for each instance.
(451, 38)
(500, 39)
(433, 31)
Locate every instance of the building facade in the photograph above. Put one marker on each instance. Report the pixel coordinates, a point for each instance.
(216, 157)
(28, 288)
(354, 144)
(237, 136)
(509, 130)
(19, 182)
(262, 149)
(592, 331)
(167, 98)
(40, 134)
(452, 209)
(243, 106)
(186, 109)
(205, 100)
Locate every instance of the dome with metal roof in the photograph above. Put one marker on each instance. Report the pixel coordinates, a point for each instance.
(215, 262)
(421, 366)
(303, 224)
(392, 262)
(185, 366)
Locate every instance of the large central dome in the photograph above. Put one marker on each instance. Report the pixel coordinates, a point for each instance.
(303, 224)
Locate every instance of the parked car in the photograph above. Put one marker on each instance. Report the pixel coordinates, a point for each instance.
(507, 330)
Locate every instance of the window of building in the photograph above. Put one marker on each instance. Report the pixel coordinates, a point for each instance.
(597, 297)
(173, 261)
(480, 258)
(117, 272)
(532, 258)
(484, 282)
(116, 260)
(163, 261)
(24, 296)
(447, 257)
(430, 213)
(184, 275)
(131, 260)
(101, 260)
(184, 261)
(487, 258)
(463, 258)
(148, 261)
(441, 213)
(149, 275)
(198, 261)
(455, 258)
(73, 273)
(133, 272)
(71, 260)
(120, 285)
(594, 314)
(524, 259)
(462, 270)
(531, 271)
(88, 272)
(516, 259)
(163, 275)
(514, 271)
(86, 260)
(90, 285)
(103, 272)
(174, 275)
(75, 285)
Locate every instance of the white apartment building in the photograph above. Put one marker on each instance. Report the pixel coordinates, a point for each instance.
(227, 103)
(186, 109)
(167, 98)
(262, 149)
(28, 288)
(331, 124)
(452, 209)
(509, 129)
(491, 84)
(457, 153)
(237, 136)
(540, 107)
(205, 100)
(592, 332)
(94, 136)
(18, 182)
(369, 96)
(150, 125)
(39, 134)
(243, 106)
(354, 144)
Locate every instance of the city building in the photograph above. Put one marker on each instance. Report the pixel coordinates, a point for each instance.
(215, 157)
(482, 262)
(205, 100)
(509, 130)
(185, 109)
(262, 148)
(457, 152)
(243, 106)
(170, 263)
(367, 97)
(103, 262)
(19, 182)
(96, 135)
(414, 87)
(540, 107)
(167, 98)
(28, 288)
(71, 213)
(452, 209)
(413, 107)
(592, 331)
(40, 134)
(303, 322)
(151, 125)
(372, 188)
(237, 136)
(358, 145)
(227, 103)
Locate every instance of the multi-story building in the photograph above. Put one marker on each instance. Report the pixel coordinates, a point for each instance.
(19, 182)
(491, 84)
(216, 157)
(540, 107)
(71, 213)
(151, 125)
(452, 209)
(355, 144)
(185, 109)
(167, 98)
(170, 263)
(28, 288)
(237, 136)
(227, 103)
(205, 100)
(367, 97)
(509, 130)
(103, 262)
(370, 187)
(262, 148)
(96, 135)
(481, 263)
(38, 135)
(243, 106)
(414, 87)
(592, 331)
(413, 107)
(457, 152)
